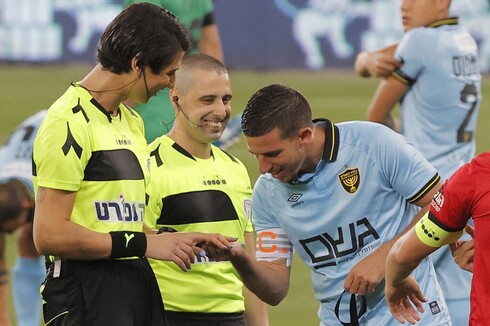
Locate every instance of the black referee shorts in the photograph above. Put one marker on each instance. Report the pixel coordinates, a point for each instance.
(205, 319)
(102, 293)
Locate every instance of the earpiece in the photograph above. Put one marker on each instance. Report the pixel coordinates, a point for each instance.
(175, 99)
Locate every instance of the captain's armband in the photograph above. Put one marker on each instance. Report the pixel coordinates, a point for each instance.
(433, 235)
(273, 244)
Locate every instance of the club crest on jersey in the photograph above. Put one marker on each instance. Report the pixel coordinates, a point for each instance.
(350, 179)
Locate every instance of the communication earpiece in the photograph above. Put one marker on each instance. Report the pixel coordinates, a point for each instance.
(175, 98)
(140, 67)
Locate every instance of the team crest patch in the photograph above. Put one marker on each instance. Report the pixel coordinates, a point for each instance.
(350, 179)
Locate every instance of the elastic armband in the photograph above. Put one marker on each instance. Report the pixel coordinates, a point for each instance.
(273, 244)
(433, 235)
(128, 244)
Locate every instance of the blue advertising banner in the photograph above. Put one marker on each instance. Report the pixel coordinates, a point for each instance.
(256, 34)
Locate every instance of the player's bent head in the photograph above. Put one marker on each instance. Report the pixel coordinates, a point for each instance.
(276, 106)
(147, 32)
(13, 212)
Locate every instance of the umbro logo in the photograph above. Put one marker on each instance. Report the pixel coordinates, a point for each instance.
(294, 198)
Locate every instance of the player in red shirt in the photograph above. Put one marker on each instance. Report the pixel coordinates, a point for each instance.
(465, 195)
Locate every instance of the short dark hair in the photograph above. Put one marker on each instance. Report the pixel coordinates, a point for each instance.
(276, 106)
(11, 200)
(204, 62)
(146, 31)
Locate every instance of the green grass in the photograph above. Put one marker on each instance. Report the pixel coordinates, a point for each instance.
(339, 96)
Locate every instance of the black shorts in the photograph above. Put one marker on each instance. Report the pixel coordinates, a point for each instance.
(102, 293)
(205, 319)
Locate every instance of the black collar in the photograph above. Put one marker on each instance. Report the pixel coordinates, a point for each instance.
(332, 138)
(97, 104)
(182, 151)
(445, 21)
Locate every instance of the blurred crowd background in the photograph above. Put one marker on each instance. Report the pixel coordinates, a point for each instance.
(256, 34)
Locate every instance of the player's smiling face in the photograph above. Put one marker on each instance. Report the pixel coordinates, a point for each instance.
(282, 158)
(417, 13)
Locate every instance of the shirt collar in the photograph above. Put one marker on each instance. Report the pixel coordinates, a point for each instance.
(332, 137)
(330, 148)
(445, 21)
(97, 104)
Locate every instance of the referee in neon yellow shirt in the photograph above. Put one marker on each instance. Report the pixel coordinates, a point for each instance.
(197, 187)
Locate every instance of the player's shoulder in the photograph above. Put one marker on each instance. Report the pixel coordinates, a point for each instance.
(477, 166)
(363, 131)
(369, 138)
(265, 183)
(483, 158)
(421, 31)
(419, 38)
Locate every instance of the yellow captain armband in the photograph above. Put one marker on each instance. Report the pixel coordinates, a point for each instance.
(433, 235)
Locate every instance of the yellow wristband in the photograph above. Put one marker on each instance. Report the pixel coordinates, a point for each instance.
(433, 235)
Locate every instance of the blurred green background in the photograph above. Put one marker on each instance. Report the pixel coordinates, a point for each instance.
(337, 95)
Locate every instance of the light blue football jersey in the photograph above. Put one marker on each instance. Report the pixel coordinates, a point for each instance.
(439, 113)
(359, 197)
(16, 154)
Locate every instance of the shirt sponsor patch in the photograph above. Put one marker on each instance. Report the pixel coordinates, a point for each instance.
(434, 307)
(438, 201)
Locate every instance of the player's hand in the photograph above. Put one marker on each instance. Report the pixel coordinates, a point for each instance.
(366, 274)
(216, 253)
(380, 64)
(181, 248)
(464, 251)
(403, 299)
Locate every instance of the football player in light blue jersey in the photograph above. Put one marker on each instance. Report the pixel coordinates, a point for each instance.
(436, 78)
(16, 208)
(340, 195)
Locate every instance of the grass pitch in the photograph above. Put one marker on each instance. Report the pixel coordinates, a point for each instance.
(336, 95)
